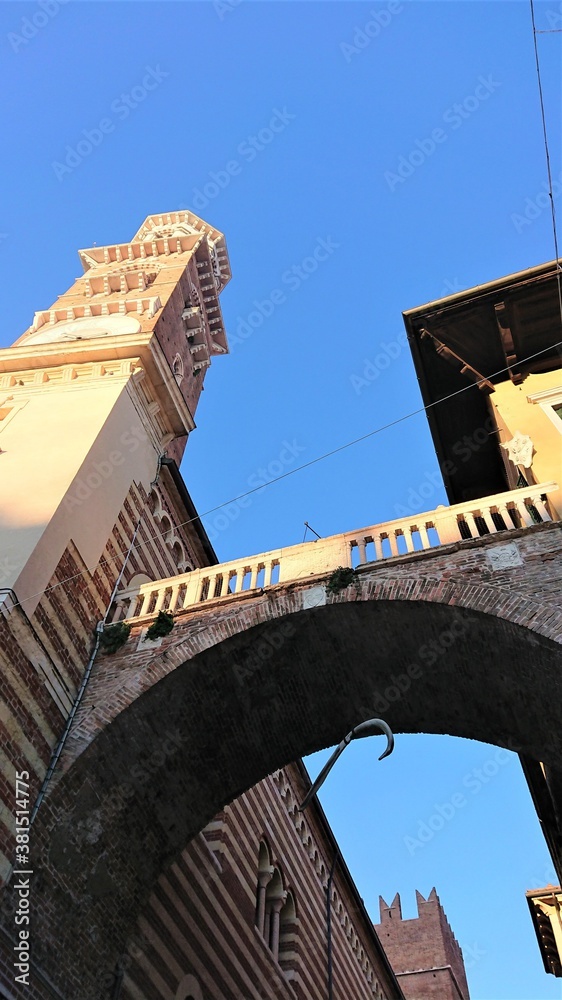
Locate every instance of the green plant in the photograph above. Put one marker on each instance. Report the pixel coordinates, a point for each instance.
(162, 625)
(114, 636)
(341, 578)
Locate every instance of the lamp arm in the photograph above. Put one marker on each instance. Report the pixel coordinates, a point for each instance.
(358, 732)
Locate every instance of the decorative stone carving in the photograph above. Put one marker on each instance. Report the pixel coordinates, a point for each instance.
(520, 450)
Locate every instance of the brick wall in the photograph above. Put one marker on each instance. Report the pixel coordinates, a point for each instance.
(423, 951)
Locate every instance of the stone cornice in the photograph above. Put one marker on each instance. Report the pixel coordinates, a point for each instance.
(39, 365)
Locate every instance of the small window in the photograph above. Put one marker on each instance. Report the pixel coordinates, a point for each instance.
(177, 368)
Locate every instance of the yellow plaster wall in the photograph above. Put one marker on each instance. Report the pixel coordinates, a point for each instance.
(69, 457)
(515, 413)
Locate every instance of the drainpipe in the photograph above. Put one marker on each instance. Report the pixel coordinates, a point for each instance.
(77, 701)
(119, 976)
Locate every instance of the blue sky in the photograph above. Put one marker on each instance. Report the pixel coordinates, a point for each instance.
(342, 100)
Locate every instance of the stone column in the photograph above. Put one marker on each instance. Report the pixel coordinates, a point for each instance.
(277, 905)
(264, 878)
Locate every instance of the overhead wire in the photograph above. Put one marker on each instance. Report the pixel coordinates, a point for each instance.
(391, 423)
(292, 472)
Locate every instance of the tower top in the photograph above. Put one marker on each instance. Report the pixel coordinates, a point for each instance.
(181, 223)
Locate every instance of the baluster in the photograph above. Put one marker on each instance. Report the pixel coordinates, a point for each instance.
(393, 543)
(159, 600)
(409, 540)
(254, 578)
(119, 606)
(470, 518)
(239, 580)
(378, 546)
(486, 516)
(191, 590)
(362, 551)
(540, 505)
(174, 597)
(268, 572)
(504, 514)
(224, 584)
(424, 537)
(145, 601)
(524, 514)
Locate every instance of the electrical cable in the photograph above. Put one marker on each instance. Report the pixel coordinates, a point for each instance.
(399, 420)
(547, 155)
(292, 472)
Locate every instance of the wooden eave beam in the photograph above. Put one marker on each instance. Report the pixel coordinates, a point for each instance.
(511, 359)
(465, 368)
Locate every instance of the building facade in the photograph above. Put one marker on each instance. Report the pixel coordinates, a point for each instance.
(97, 400)
(491, 357)
(243, 913)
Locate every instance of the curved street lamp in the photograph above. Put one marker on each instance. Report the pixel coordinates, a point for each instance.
(368, 728)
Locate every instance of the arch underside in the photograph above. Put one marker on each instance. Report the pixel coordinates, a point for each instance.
(219, 723)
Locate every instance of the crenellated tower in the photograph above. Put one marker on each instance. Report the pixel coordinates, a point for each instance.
(424, 953)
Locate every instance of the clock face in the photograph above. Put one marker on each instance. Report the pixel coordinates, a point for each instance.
(88, 328)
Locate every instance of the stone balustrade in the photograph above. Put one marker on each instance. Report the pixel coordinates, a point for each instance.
(445, 525)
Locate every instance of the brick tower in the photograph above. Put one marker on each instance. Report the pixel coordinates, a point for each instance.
(97, 399)
(423, 952)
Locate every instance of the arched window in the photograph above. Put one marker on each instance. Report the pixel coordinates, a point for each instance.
(275, 898)
(165, 527)
(265, 874)
(275, 910)
(178, 554)
(287, 933)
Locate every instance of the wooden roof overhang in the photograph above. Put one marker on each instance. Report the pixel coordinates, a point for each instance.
(466, 344)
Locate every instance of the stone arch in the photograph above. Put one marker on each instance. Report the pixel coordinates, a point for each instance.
(252, 684)
(166, 528)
